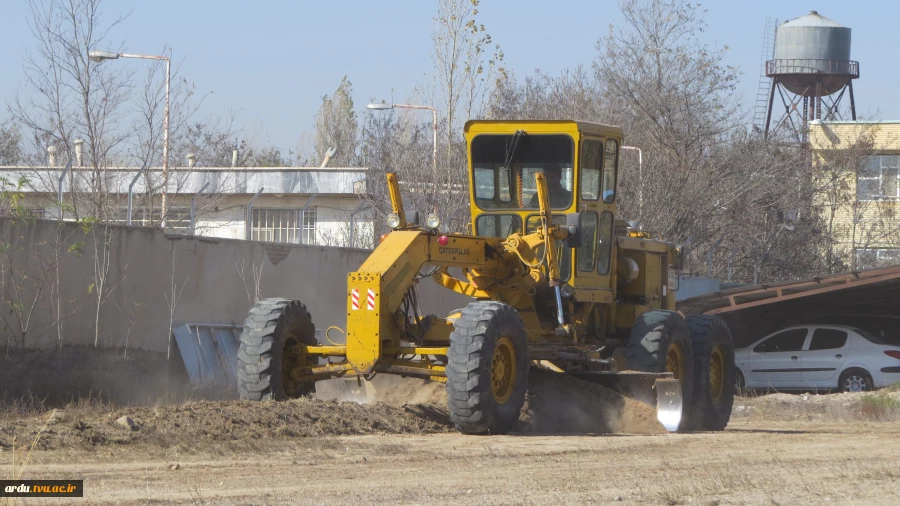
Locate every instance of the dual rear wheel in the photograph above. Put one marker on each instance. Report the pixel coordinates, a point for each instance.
(698, 352)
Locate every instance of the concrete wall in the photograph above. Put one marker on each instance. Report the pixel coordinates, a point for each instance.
(212, 281)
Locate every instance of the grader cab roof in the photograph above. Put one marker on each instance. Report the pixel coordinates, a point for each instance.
(543, 126)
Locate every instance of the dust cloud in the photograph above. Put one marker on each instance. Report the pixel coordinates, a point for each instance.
(555, 403)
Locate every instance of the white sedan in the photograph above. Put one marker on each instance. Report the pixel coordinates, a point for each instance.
(825, 357)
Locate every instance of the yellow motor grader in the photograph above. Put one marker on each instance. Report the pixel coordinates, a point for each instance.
(556, 281)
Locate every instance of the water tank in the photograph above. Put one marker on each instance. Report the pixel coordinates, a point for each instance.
(812, 56)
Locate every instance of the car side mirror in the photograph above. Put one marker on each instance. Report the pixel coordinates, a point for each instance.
(573, 225)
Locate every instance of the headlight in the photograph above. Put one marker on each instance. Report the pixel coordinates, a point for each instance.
(393, 220)
(432, 221)
(567, 291)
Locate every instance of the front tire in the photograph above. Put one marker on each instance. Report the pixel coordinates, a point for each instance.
(714, 373)
(660, 342)
(268, 350)
(487, 370)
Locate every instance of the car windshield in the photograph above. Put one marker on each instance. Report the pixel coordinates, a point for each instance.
(505, 165)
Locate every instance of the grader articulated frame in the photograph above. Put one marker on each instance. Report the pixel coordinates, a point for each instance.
(572, 295)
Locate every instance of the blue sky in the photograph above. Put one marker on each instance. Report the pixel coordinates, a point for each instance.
(274, 60)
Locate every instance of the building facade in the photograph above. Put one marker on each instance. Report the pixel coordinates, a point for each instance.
(857, 184)
(295, 205)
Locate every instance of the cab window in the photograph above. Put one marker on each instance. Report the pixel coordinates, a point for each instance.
(591, 163)
(604, 243)
(498, 225)
(610, 161)
(498, 186)
(587, 252)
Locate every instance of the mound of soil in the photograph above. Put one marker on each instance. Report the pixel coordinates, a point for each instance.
(217, 421)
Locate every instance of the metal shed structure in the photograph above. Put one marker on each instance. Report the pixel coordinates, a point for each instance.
(869, 298)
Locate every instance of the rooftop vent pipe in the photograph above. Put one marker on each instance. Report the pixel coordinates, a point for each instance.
(79, 152)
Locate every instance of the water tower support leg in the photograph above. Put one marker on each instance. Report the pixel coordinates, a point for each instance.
(771, 101)
(852, 102)
(818, 100)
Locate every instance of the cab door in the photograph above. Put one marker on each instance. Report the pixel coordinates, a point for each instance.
(597, 159)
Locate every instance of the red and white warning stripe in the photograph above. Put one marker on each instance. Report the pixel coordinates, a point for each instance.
(354, 298)
(370, 300)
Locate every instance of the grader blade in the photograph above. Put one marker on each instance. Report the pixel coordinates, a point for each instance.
(359, 390)
(660, 390)
(669, 403)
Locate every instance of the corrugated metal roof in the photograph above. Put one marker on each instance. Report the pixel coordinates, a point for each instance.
(280, 180)
(735, 299)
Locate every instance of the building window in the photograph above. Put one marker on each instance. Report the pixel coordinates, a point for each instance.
(284, 225)
(870, 258)
(879, 178)
(309, 226)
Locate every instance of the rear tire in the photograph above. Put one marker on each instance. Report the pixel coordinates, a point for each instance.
(856, 380)
(266, 352)
(714, 373)
(487, 370)
(660, 342)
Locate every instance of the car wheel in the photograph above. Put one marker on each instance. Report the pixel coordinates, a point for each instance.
(855, 380)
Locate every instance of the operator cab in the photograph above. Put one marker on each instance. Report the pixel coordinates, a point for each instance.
(580, 162)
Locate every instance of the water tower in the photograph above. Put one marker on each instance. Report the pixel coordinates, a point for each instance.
(811, 72)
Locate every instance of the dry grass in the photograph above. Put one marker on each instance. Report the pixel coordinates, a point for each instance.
(17, 470)
(878, 407)
(881, 406)
(893, 387)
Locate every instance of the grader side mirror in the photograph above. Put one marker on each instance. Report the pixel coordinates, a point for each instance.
(573, 225)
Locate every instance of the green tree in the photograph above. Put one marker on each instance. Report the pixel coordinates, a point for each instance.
(10, 144)
(337, 127)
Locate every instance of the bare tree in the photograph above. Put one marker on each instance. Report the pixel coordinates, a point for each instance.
(465, 64)
(572, 94)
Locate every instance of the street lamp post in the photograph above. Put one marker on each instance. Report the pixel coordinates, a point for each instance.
(101, 56)
(383, 107)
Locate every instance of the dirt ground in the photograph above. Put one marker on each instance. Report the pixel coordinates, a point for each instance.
(750, 463)
(778, 449)
(135, 437)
